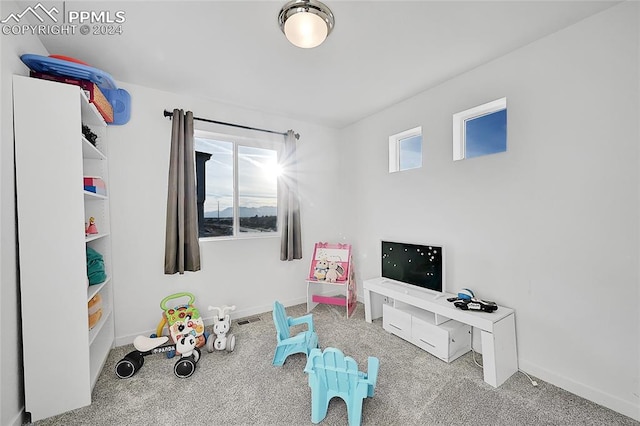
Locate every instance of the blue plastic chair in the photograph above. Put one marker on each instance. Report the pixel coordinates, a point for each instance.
(333, 374)
(287, 345)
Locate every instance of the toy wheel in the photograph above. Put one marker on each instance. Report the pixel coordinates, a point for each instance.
(196, 354)
(129, 365)
(125, 369)
(210, 345)
(231, 342)
(171, 354)
(184, 367)
(153, 336)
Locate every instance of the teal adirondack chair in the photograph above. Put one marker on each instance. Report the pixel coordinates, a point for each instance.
(287, 345)
(333, 374)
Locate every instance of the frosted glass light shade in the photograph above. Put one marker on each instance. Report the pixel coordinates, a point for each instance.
(305, 30)
(306, 23)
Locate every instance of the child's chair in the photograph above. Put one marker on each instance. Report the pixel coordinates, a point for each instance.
(333, 374)
(303, 342)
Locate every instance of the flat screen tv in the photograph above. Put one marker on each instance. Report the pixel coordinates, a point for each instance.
(418, 265)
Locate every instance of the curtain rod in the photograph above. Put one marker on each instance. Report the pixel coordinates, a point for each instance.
(297, 135)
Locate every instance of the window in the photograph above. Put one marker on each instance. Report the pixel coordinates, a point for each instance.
(481, 130)
(236, 185)
(405, 150)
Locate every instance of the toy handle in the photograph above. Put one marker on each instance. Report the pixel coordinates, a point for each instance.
(222, 311)
(163, 303)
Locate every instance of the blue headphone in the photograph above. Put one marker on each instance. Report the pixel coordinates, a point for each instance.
(465, 294)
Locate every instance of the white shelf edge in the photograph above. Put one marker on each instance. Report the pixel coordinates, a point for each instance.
(93, 237)
(94, 289)
(88, 195)
(90, 152)
(337, 283)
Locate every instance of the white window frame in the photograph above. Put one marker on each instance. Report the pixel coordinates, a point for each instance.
(249, 142)
(394, 148)
(459, 124)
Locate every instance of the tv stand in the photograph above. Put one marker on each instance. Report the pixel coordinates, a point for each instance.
(437, 326)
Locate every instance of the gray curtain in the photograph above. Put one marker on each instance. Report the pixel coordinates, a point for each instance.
(289, 205)
(182, 251)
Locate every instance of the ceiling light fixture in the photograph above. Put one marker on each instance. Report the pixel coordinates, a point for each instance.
(306, 23)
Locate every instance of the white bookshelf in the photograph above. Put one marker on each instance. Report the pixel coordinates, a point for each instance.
(52, 157)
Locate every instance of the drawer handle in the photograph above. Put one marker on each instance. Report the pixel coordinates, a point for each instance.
(395, 326)
(433, 346)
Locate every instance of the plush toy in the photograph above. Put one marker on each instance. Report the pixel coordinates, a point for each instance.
(334, 272)
(221, 325)
(320, 270)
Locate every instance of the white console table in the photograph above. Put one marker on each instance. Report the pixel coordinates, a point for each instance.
(498, 331)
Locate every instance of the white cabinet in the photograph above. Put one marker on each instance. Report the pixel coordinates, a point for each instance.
(437, 326)
(447, 341)
(62, 357)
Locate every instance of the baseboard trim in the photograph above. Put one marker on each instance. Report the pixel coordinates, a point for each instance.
(208, 318)
(628, 408)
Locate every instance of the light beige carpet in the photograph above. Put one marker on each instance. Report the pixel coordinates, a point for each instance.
(243, 388)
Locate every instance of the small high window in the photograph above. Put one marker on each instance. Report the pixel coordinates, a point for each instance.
(405, 150)
(481, 130)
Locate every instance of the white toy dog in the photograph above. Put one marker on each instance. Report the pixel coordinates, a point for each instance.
(221, 325)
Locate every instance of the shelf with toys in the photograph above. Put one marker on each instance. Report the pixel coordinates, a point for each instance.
(59, 135)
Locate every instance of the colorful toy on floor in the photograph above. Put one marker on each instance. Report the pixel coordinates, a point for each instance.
(186, 336)
(221, 326)
(183, 368)
(331, 373)
(303, 342)
(181, 321)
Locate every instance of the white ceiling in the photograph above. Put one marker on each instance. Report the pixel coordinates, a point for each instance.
(378, 54)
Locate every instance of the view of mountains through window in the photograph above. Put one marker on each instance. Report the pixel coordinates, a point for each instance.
(253, 189)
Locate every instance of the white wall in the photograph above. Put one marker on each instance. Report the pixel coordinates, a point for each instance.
(11, 397)
(550, 227)
(247, 273)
